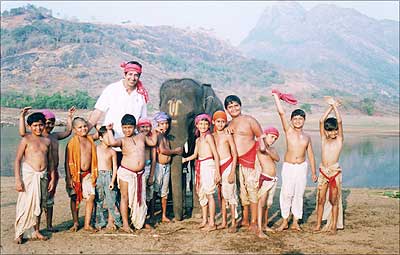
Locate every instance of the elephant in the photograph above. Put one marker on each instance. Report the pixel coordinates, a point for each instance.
(183, 99)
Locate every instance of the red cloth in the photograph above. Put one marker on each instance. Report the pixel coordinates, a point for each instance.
(288, 98)
(249, 158)
(271, 130)
(139, 175)
(131, 67)
(197, 170)
(331, 181)
(139, 86)
(262, 179)
(142, 91)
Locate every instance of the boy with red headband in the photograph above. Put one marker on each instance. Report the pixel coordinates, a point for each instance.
(54, 138)
(295, 166)
(329, 204)
(246, 130)
(268, 180)
(226, 149)
(207, 169)
(144, 126)
(163, 166)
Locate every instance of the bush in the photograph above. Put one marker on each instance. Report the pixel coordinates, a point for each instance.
(368, 106)
(306, 107)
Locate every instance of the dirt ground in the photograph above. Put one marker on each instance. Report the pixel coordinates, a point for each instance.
(371, 227)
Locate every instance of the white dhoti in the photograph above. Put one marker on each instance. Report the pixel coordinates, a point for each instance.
(207, 183)
(30, 202)
(334, 172)
(136, 194)
(87, 186)
(267, 186)
(228, 190)
(294, 180)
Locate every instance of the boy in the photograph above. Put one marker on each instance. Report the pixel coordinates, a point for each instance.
(54, 138)
(163, 166)
(246, 130)
(294, 169)
(81, 172)
(105, 190)
(32, 187)
(268, 180)
(144, 126)
(331, 131)
(207, 169)
(226, 149)
(130, 173)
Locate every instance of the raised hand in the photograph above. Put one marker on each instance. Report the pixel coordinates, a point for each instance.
(71, 111)
(25, 110)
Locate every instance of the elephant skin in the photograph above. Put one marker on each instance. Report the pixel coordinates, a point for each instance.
(183, 99)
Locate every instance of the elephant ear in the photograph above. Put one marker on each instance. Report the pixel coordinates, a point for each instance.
(211, 102)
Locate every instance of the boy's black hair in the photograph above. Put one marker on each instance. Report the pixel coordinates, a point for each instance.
(232, 98)
(331, 124)
(298, 112)
(36, 117)
(76, 119)
(128, 119)
(135, 63)
(103, 130)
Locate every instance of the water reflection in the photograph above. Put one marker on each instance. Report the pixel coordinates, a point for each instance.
(367, 160)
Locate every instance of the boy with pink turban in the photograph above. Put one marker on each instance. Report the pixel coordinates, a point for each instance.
(54, 138)
(207, 169)
(267, 180)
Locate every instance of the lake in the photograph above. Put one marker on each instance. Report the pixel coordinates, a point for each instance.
(367, 160)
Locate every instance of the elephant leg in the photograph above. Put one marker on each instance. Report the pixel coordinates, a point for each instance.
(176, 184)
(196, 212)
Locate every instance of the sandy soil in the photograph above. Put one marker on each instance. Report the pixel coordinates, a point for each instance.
(371, 227)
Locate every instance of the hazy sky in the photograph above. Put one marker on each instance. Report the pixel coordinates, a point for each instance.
(231, 21)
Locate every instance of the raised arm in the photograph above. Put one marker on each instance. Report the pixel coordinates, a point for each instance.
(22, 128)
(94, 117)
(281, 112)
(113, 142)
(311, 159)
(339, 121)
(322, 121)
(68, 130)
(273, 154)
(152, 140)
(19, 185)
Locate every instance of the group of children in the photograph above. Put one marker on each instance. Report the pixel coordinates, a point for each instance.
(237, 154)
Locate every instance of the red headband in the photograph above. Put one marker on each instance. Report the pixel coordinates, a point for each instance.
(272, 131)
(131, 67)
(143, 122)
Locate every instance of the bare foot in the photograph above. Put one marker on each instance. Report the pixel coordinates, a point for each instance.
(222, 226)
(261, 234)
(268, 229)
(165, 220)
(253, 227)
(244, 224)
(203, 224)
(74, 228)
(148, 226)
(209, 228)
(90, 229)
(38, 237)
(317, 229)
(52, 230)
(126, 229)
(283, 226)
(296, 227)
(18, 240)
(332, 231)
(233, 229)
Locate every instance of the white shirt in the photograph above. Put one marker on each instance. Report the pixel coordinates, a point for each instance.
(116, 102)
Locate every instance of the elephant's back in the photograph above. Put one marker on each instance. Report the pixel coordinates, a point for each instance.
(173, 84)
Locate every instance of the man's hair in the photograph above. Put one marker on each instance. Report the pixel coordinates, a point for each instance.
(230, 99)
(128, 119)
(36, 117)
(134, 63)
(103, 130)
(78, 119)
(298, 112)
(331, 124)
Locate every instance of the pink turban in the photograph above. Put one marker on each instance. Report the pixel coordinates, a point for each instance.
(48, 114)
(200, 117)
(139, 86)
(272, 130)
(143, 122)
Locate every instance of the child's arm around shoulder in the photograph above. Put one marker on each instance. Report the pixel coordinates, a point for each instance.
(257, 131)
(273, 154)
(113, 142)
(67, 132)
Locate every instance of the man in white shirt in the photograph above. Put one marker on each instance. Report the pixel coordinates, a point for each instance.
(127, 96)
